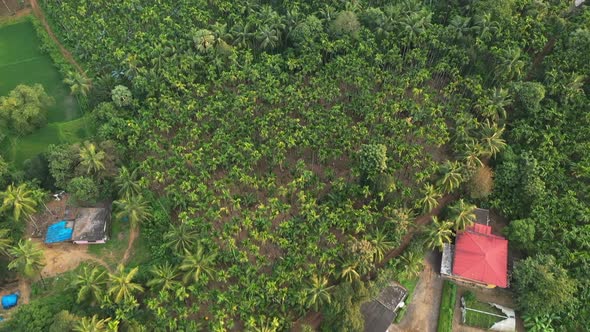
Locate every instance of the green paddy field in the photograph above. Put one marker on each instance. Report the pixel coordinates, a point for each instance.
(23, 62)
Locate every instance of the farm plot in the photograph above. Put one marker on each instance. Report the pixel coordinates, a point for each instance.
(23, 62)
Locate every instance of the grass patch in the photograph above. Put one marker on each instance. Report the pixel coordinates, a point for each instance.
(410, 286)
(478, 319)
(23, 62)
(113, 250)
(447, 307)
(19, 149)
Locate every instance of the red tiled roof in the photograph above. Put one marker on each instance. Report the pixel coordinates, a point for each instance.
(481, 256)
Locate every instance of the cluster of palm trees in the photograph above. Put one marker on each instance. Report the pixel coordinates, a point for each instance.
(440, 232)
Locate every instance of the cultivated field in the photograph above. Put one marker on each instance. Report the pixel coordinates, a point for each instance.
(23, 62)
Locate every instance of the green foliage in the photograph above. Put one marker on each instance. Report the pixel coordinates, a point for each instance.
(447, 307)
(121, 96)
(343, 313)
(346, 23)
(306, 31)
(83, 190)
(25, 109)
(64, 321)
(39, 315)
(373, 159)
(542, 286)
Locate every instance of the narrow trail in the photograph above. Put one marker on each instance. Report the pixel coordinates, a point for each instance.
(132, 237)
(66, 54)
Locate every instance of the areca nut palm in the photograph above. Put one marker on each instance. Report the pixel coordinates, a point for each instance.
(135, 208)
(121, 285)
(197, 263)
(93, 324)
(27, 259)
(20, 199)
(439, 233)
(91, 158)
(91, 284)
(317, 292)
(463, 214)
(163, 277)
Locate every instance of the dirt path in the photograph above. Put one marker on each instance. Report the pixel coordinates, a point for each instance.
(422, 312)
(66, 54)
(132, 237)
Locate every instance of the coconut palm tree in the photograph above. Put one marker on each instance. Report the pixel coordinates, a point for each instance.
(197, 263)
(91, 283)
(92, 324)
(451, 176)
(471, 155)
(492, 142)
(317, 293)
(204, 40)
(430, 198)
(463, 214)
(79, 83)
(163, 277)
(413, 264)
(27, 259)
(121, 285)
(349, 270)
(242, 33)
(439, 233)
(381, 245)
(267, 37)
(135, 208)
(20, 200)
(180, 238)
(91, 158)
(127, 182)
(5, 242)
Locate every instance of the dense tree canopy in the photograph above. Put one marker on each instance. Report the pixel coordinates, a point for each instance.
(284, 147)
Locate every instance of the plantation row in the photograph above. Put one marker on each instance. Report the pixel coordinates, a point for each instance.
(277, 152)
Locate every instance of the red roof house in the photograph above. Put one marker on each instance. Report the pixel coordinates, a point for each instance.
(481, 257)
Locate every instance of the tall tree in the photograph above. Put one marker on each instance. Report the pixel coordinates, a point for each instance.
(430, 197)
(91, 284)
(180, 238)
(439, 233)
(463, 214)
(91, 158)
(197, 263)
(121, 285)
(317, 292)
(128, 183)
(93, 324)
(20, 200)
(135, 208)
(27, 259)
(5, 241)
(451, 176)
(79, 83)
(163, 277)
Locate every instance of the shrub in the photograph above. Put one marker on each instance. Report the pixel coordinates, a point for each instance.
(346, 23)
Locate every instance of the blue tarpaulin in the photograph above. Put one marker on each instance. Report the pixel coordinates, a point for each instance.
(58, 232)
(9, 301)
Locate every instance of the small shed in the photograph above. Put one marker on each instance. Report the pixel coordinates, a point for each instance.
(381, 312)
(91, 225)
